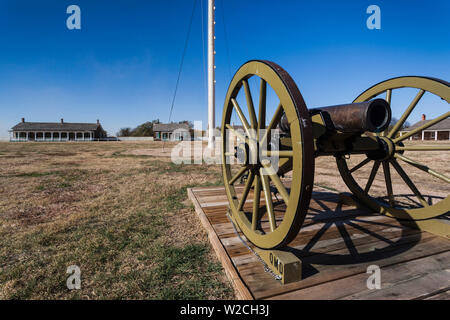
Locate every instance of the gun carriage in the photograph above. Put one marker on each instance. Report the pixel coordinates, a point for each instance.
(304, 134)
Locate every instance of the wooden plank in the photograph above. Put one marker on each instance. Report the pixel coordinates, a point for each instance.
(438, 226)
(423, 285)
(333, 239)
(328, 267)
(354, 286)
(336, 244)
(439, 296)
(240, 288)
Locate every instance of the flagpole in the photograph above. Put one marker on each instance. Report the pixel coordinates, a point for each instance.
(211, 74)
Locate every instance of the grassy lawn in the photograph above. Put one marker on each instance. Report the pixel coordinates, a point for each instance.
(122, 217)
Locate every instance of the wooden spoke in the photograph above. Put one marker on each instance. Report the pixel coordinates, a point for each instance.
(248, 185)
(423, 148)
(269, 202)
(262, 106)
(373, 173)
(387, 178)
(236, 133)
(422, 167)
(280, 187)
(277, 182)
(273, 123)
(408, 181)
(360, 165)
(279, 154)
(256, 201)
(241, 116)
(251, 108)
(406, 114)
(388, 96)
(238, 175)
(425, 126)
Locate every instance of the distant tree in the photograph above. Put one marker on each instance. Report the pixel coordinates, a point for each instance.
(189, 123)
(124, 132)
(143, 130)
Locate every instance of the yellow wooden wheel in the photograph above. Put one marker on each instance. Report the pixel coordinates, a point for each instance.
(396, 156)
(275, 220)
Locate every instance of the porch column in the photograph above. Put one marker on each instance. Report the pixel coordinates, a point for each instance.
(51, 135)
(435, 135)
(423, 135)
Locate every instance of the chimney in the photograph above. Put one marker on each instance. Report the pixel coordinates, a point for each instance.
(98, 122)
(424, 117)
(23, 120)
(62, 120)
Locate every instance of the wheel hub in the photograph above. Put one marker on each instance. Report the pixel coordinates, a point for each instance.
(246, 155)
(386, 149)
(242, 154)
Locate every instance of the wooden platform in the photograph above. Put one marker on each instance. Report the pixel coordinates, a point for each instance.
(336, 245)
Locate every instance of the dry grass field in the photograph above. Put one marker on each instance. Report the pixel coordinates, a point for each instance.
(119, 211)
(124, 219)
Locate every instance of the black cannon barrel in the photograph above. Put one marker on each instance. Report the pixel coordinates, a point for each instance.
(373, 116)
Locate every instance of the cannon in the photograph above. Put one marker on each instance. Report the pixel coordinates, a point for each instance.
(282, 188)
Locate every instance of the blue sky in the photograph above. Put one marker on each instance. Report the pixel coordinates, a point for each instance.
(121, 67)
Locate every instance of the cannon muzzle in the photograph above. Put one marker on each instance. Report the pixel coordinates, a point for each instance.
(373, 116)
